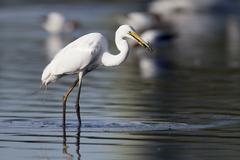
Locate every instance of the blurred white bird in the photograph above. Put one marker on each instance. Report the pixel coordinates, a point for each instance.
(55, 23)
(85, 54)
(140, 21)
(157, 38)
(195, 26)
(152, 65)
(165, 8)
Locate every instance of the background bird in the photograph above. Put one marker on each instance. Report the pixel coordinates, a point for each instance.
(154, 64)
(56, 23)
(140, 21)
(85, 54)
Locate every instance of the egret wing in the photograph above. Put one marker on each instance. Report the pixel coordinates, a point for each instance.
(76, 57)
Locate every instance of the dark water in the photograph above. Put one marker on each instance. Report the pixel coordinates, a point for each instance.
(188, 112)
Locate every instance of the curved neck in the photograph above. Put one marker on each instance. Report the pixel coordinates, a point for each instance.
(109, 59)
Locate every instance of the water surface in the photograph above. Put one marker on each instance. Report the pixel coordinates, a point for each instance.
(189, 112)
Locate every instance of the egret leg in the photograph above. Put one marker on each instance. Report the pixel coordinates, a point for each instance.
(78, 97)
(78, 143)
(65, 97)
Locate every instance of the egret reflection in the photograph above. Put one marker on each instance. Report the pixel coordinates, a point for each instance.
(70, 156)
(53, 45)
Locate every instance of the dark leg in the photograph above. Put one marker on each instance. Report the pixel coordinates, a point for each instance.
(77, 100)
(65, 97)
(77, 104)
(64, 140)
(78, 142)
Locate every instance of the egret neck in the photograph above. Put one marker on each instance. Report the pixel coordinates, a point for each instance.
(109, 59)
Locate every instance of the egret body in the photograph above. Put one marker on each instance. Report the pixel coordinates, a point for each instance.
(85, 54)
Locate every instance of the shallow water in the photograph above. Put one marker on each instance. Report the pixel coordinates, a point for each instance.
(188, 112)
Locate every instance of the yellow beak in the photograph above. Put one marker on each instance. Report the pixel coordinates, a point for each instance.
(140, 40)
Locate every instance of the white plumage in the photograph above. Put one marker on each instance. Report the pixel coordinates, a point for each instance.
(74, 57)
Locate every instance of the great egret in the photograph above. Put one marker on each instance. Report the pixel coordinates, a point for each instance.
(85, 54)
(55, 23)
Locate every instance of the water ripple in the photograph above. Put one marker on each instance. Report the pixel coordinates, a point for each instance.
(114, 125)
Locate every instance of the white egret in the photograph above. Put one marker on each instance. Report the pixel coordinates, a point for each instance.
(85, 54)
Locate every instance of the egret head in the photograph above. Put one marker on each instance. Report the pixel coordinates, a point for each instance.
(127, 31)
(48, 76)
